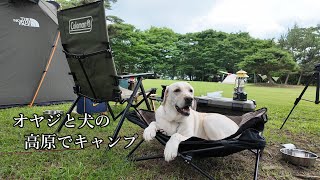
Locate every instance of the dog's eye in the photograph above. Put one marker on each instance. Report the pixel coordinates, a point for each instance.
(177, 90)
(191, 90)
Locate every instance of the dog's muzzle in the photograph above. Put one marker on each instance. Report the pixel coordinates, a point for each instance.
(186, 109)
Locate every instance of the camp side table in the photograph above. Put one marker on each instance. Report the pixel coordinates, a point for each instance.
(223, 105)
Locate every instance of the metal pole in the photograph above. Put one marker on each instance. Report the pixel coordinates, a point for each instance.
(68, 112)
(129, 104)
(135, 148)
(257, 164)
(299, 98)
(110, 110)
(318, 88)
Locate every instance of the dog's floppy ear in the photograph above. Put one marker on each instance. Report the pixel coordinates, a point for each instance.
(165, 96)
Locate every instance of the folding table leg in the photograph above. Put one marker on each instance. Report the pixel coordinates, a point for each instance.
(68, 112)
(153, 106)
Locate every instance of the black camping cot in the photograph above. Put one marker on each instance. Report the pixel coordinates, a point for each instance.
(248, 137)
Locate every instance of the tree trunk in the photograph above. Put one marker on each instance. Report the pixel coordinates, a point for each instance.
(254, 78)
(270, 79)
(121, 69)
(202, 77)
(298, 83)
(173, 72)
(286, 82)
(130, 68)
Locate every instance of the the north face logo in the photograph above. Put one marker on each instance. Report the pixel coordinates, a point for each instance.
(27, 22)
(80, 25)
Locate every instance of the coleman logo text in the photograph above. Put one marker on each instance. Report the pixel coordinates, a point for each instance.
(80, 25)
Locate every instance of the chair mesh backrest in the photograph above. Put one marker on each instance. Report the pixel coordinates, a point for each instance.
(83, 32)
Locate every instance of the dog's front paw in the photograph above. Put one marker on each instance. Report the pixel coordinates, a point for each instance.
(170, 152)
(149, 133)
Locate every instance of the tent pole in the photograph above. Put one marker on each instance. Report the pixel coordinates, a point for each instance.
(46, 70)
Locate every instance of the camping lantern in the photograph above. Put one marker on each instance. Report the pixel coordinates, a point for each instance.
(239, 93)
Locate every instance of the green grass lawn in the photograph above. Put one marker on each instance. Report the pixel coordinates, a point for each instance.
(302, 129)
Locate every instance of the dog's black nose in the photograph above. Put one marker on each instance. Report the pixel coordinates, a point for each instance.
(188, 100)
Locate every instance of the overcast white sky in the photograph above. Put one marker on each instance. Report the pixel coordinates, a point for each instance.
(261, 18)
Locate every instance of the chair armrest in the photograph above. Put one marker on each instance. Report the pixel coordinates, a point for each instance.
(135, 75)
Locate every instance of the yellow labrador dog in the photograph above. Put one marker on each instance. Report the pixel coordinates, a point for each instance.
(177, 119)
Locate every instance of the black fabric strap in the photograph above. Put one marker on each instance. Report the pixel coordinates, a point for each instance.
(83, 56)
(87, 78)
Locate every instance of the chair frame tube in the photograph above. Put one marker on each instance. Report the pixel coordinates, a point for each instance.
(185, 155)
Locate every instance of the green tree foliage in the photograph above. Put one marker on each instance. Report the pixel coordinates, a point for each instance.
(207, 52)
(152, 50)
(162, 43)
(304, 45)
(193, 56)
(124, 38)
(268, 61)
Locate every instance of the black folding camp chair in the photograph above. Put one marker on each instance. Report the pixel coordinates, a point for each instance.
(248, 137)
(86, 45)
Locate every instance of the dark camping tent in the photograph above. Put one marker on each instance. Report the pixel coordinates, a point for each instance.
(33, 68)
